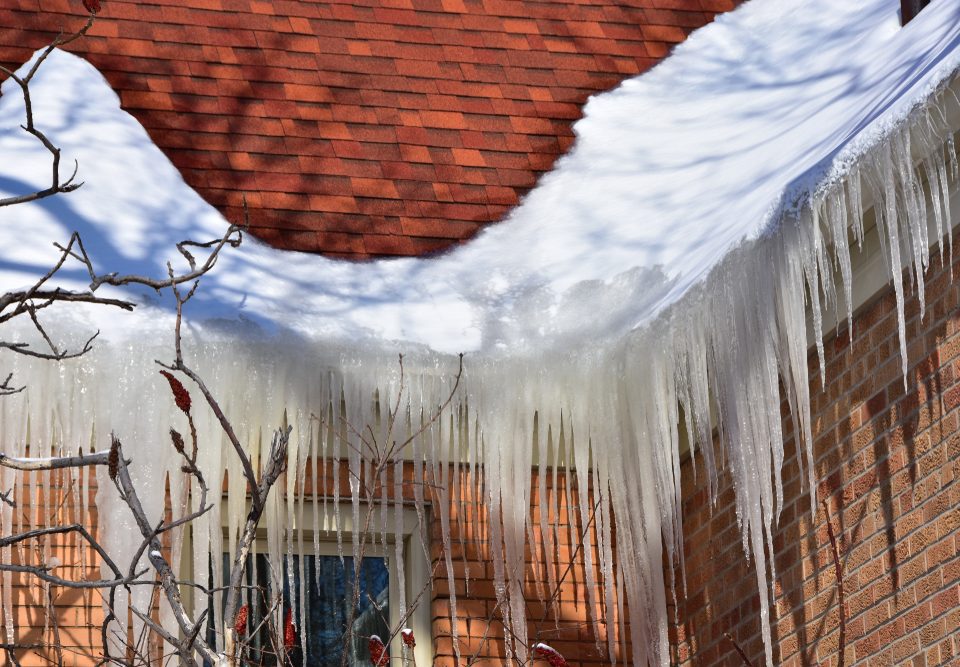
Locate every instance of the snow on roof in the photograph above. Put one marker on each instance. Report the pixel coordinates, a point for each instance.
(670, 171)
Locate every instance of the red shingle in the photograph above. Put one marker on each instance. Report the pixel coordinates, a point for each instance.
(356, 129)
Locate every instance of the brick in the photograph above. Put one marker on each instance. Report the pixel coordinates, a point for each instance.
(892, 469)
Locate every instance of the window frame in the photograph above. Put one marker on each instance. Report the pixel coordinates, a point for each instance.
(417, 570)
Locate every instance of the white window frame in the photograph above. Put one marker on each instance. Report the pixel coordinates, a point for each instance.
(417, 571)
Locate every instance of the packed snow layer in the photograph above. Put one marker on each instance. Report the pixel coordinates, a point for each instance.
(671, 259)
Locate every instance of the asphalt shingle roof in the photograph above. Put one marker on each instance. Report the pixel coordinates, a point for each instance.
(363, 128)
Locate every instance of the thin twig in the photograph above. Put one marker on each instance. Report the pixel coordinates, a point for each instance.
(838, 574)
(736, 647)
(168, 581)
(56, 186)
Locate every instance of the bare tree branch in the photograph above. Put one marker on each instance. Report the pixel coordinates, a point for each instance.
(187, 639)
(57, 185)
(6, 389)
(165, 572)
(276, 464)
(54, 462)
(838, 575)
(44, 572)
(738, 649)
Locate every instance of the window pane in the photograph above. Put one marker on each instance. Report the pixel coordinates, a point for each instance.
(328, 605)
(329, 589)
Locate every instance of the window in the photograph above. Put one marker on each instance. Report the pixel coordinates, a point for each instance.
(379, 610)
(326, 584)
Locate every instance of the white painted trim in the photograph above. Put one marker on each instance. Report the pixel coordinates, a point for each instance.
(417, 569)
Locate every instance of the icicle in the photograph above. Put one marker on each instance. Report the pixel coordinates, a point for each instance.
(77, 487)
(472, 488)
(319, 487)
(553, 446)
(933, 183)
(811, 249)
(289, 524)
(543, 504)
(418, 480)
(276, 559)
(9, 483)
(893, 235)
(398, 513)
(357, 471)
(639, 539)
(442, 457)
(792, 347)
(944, 185)
(587, 517)
(331, 457)
(605, 548)
(384, 510)
(304, 435)
(573, 537)
(855, 200)
(492, 482)
(536, 574)
(460, 485)
(383, 444)
(337, 450)
(837, 223)
(916, 222)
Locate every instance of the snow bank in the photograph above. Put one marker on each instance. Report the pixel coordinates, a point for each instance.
(665, 262)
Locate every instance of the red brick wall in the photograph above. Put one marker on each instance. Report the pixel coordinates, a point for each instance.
(566, 625)
(43, 614)
(888, 465)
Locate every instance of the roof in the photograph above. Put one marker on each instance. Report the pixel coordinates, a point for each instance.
(392, 127)
(674, 173)
(670, 258)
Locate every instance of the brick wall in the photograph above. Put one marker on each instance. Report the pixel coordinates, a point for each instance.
(45, 614)
(888, 464)
(557, 613)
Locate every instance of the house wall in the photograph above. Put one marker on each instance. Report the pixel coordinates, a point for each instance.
(47, 616)
(557, 610)
(888, 465)
(557, 607)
